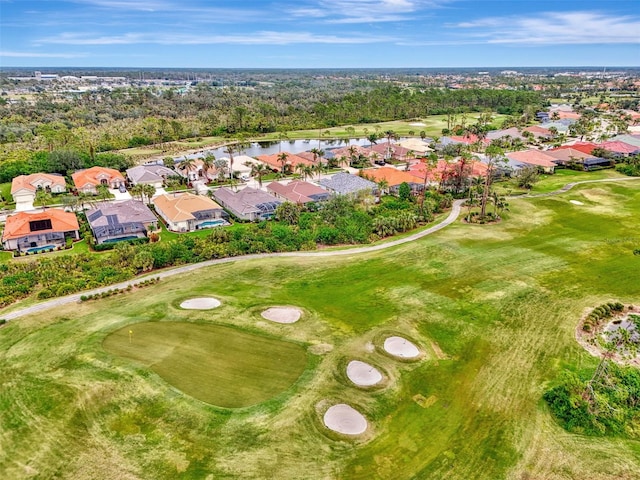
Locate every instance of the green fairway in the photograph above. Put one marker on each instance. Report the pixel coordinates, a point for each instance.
(494, 308)
(218, 365)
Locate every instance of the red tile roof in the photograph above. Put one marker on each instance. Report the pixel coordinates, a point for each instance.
(532, 157)
(584, 147)
(296, 191)
(18, 226)
(619, 147)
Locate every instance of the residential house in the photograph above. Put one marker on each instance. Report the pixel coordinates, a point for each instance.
(292, 160)
(566, 156)
(415, 145)
(631, 139)
(392, 151)
(531, 157)
(394, 178)
(186, 212)
(248, 204)
(618, 148)
(112, 222)
(87, 181)
(25, 187)
(149, 175)
(197, 171)
(298, 192)
(348, 184)
(31, 231)
(444, 170)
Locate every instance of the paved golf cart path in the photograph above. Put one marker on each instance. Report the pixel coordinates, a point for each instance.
(452, 217)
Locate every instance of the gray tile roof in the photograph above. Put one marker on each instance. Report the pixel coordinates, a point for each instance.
(345, 183)
(148, 173)
(246, 201)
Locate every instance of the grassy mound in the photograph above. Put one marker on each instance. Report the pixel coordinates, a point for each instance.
(218, 365)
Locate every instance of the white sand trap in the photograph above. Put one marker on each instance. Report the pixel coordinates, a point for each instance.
(417, 124)
(401, 347)
(282, 314)
(202, 303)
(576, 202)
(363, 374)
(342, 418)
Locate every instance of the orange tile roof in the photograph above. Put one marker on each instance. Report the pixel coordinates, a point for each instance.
(17, 225)
(392, 175)
(181, 207)
(28, 182)
(90, 176)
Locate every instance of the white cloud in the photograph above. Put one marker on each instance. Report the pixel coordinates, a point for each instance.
(40, 55)
(556, 29)
(256, 38)
(365, 11)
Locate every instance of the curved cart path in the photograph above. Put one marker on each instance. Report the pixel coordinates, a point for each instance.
(452, 217)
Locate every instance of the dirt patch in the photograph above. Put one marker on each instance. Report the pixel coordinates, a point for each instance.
(400, 347)
(363, 374)
(201, 303)
(345, 419)
(282, 314)
(321, 348)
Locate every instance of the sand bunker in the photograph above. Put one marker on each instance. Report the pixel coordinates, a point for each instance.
(417, 124)
(342, 418)
(576, 202)
(363, 374)
(282, 314)
(202, 303)
(401, 347)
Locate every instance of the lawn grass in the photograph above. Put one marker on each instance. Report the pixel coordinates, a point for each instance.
(219, 365)
(494, 308)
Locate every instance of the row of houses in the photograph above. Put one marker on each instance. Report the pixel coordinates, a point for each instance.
(181, 212)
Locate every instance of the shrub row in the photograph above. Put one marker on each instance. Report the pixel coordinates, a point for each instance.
(116, 291)
(600, 313)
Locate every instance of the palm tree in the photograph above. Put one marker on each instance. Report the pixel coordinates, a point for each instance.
(373, 139)
(495, 155)
(316, 153)
(136, 191)
(303, 170)
(187, 165)
(282, 158)
(43, 197)
(230, 150)
(148, 191)
(390, 134)
(383, 185)
(258, 170)
(208, 162)
(319, 168)
(353, 151)
(221, 168)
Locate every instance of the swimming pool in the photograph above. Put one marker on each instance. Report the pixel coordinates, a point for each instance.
(40, 249)
(120, 239)
(212, 223)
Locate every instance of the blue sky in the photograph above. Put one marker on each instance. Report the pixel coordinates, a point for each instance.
(319, 33)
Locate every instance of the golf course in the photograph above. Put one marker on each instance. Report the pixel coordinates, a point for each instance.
(136, 387)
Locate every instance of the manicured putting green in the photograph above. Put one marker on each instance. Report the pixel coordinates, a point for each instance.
(219, 365)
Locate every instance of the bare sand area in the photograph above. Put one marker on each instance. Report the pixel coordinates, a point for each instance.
(363, 374)
(344, 419)
(401, 347)
(576, 202)
(282, 314)
(201, 303)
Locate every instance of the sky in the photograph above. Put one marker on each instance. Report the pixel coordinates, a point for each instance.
(319, 33)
